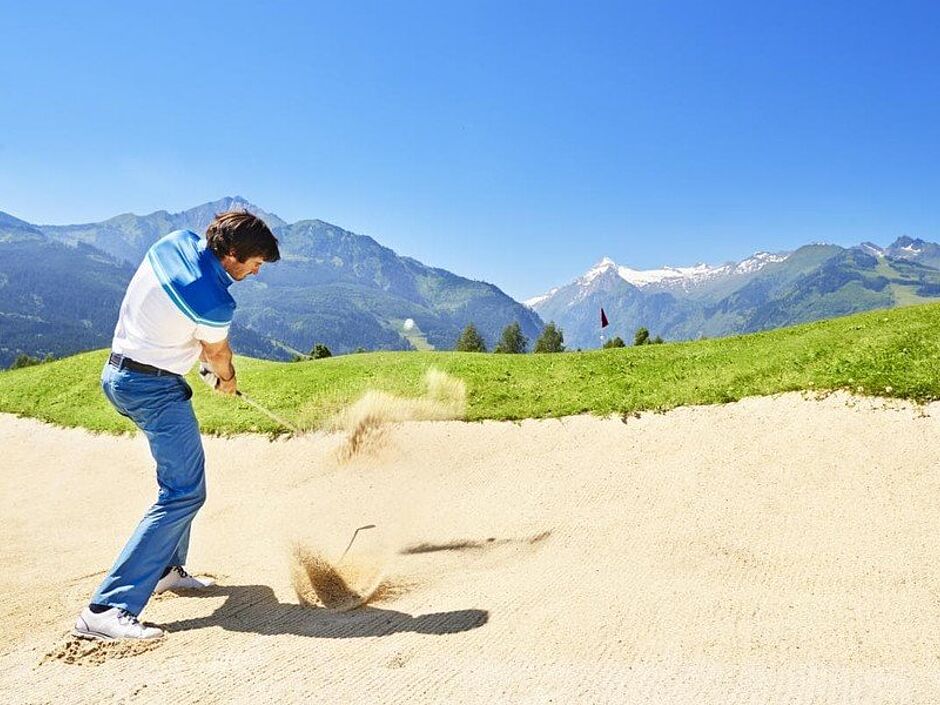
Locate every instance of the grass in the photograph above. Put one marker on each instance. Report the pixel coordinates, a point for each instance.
(894, 353)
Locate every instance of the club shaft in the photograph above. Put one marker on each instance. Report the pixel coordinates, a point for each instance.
(267, 412)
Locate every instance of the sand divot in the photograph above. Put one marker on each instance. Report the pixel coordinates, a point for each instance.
(89, 652)
(364, 422)
(343, 586)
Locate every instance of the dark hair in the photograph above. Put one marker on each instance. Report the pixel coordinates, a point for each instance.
(242, 235)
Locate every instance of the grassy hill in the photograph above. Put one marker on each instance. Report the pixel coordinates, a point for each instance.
(893, 353)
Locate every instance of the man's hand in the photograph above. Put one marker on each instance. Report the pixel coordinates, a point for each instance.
(218, 357)
(213, 382)
(229, 387)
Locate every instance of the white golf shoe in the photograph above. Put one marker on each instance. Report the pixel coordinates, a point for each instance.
(113, 624)
(179, 579)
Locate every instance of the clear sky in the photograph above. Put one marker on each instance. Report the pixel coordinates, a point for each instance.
(516, 142)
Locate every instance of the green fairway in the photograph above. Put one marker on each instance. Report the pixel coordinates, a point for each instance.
(893, 353)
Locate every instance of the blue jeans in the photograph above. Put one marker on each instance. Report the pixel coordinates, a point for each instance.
(160, 407)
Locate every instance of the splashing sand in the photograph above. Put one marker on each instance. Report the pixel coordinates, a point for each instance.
(363, 422)
(339, 587)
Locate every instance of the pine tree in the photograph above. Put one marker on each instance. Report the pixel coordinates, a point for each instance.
(24, 360)
(615, 342)
(641, 337)
(512, 341)
(470, 340)
(551, 340)
(320, 351)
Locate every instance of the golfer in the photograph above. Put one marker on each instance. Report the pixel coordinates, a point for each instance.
(177, 308)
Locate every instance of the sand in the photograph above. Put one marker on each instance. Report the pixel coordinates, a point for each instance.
(777, 550)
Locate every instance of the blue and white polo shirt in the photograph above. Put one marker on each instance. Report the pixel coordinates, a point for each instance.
(178, 297)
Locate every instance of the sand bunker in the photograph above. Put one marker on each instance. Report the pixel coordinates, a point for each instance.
(340, 587)
(773, 550)
(364, 422)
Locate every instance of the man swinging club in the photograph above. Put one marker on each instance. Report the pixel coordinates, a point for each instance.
(177, 308)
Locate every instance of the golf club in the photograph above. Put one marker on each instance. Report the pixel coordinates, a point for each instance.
(267, 412)
(355, 534)
(212, 380)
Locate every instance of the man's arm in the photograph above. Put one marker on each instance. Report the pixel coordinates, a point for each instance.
(219, 357)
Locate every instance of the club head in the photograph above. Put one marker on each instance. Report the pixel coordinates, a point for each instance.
(355, 534)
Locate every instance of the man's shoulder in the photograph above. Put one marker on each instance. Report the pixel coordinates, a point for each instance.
(186, 275)
(175, 239)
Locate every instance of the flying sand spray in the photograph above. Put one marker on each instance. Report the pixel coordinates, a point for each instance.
(315, 579)
(318, 581)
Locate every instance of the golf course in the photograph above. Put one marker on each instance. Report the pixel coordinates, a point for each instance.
(749, 520)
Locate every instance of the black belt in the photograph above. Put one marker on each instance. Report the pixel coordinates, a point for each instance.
(125, 363)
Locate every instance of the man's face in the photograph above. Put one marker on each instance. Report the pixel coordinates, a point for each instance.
(239, 270)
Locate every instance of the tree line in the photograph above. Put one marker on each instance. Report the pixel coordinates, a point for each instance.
(511, 342)
(551, 340)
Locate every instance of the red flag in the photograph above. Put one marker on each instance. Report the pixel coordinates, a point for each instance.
(604, 322)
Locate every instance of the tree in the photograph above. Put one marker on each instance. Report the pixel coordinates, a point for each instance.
(657, 341)
(320, 351)
(24, 360)
(551, 340)
(470, 340)
(512, 341)
(361, 349)
(615, 342)
(641, 337)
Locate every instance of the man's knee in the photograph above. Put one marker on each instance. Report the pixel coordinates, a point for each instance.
(200, 497)
(186, 500)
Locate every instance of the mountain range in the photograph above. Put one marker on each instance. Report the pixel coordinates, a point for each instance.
(766, 290)
(61, 287)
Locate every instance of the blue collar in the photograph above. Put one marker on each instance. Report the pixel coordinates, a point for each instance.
(208, 256)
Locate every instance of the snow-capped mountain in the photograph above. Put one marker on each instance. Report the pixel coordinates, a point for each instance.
(914, 250)
(872, 249)
(690, 277)
(647, 277)
(765, 290)
(665, 278)
(535, 300)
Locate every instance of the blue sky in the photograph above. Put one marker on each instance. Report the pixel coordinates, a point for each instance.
(516, 142)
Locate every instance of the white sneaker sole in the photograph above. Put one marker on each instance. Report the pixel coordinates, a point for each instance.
(179, 588)
(92, 636)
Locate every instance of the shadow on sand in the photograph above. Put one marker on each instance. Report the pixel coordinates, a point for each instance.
(255, 608)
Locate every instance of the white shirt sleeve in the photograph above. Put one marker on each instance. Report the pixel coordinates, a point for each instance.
(211, 334)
